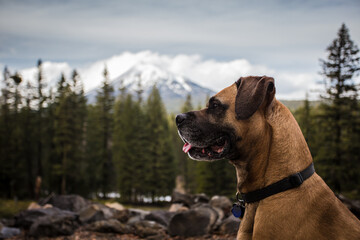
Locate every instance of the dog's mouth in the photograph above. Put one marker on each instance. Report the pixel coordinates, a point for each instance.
(215, 151)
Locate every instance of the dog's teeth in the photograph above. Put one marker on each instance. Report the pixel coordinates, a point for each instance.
(217, 149)
(187, 147)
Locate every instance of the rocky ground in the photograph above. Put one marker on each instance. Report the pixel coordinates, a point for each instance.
(73, 217)
(83, 234)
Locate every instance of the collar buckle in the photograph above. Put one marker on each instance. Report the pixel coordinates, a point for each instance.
(296, 179)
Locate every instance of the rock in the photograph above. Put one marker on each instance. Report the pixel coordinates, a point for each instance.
(213, 213)
(115, 205)
(54, 224)
(230, 225)
(223, 203)
(95, 212)
(8, 232)
(26, 218)
(72, 203)
(134, 219)
(145, 228)
(160, 216)
(109, 226)
(201, 198)
(195, 222)
(138, 212)
(9, 222)
(159, 236)
(122, 216)
(352, 205)
(185, 199)
(136, 215)
(177, 207)
(34, 205)
(220, 218)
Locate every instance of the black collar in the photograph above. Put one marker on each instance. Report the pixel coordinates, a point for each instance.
(287, 183)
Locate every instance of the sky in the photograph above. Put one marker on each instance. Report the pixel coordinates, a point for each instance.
(281, 38)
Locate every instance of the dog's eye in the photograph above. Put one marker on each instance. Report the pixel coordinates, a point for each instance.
(214, 105)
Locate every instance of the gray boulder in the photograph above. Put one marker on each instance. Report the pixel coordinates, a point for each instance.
(72, 203)
(55, 224)
(212, 212)
(8, 232)
(122, 216)
(26, 218)
(201, 198)
(223, 203)
(149, 229)
(195, 222)
(95, 212)
(352, 205)
(109, 226)
(185, 199)
(177, 207)
(160, 216)
(230, 225)
(136, 215)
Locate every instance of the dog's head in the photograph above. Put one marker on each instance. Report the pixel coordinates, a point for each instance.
(231, 120)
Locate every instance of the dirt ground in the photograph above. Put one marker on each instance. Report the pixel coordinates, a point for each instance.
(86, 235)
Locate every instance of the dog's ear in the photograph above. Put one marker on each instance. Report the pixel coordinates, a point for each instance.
(252, 93)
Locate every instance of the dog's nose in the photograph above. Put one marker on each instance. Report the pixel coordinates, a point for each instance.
(180, 118)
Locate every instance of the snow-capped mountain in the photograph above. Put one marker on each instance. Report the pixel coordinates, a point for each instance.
(145, 69)
(173, 87)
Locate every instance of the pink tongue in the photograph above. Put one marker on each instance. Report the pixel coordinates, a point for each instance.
(186, 147)
(217, 149)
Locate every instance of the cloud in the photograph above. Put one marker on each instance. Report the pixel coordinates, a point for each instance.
(209, 73)
(280, 34)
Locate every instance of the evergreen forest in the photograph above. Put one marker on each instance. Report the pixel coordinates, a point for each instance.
(52, 141)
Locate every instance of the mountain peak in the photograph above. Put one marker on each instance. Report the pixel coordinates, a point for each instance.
(173, 87)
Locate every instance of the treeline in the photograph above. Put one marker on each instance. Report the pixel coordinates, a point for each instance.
(53, 141)
(332, 129)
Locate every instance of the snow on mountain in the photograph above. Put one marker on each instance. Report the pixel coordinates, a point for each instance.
(51, 73)
(173, 87)
(211, 73)
(145, 67)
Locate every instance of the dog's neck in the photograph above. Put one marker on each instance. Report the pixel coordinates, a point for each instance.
(281, 151)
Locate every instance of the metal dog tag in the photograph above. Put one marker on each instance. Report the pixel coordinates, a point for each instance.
(238, 210)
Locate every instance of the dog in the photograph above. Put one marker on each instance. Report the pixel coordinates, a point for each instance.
(245, 124)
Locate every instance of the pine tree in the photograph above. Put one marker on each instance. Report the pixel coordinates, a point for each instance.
(9, 134)
(188, 167)
(41, 99)
(93, 148)
(27, 123)
(121, 146)
(51, 160)
(340, 112)
(78, 112)
(5, 130)
(63, 131)
(160, 158)
(305, 118)
(105, 104)
(70, 111)
(15, 138)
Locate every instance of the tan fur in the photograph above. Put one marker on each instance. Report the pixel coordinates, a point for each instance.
(273, 148)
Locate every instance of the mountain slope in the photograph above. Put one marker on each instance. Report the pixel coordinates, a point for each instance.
(173, 88)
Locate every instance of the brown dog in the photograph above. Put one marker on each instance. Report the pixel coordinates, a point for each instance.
(247, 125)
